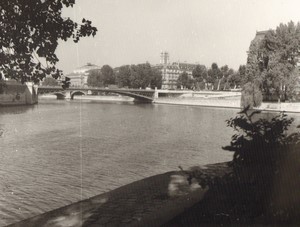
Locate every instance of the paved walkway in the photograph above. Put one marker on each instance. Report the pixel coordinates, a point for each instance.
(148, 202)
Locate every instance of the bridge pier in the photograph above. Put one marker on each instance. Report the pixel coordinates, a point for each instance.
(60, 97)
(68, 95)
(155, 93)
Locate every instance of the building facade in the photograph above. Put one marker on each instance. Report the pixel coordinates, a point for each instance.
(80, 75)
(171, 71)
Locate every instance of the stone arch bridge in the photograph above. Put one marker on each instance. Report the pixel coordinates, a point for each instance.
(141, 95)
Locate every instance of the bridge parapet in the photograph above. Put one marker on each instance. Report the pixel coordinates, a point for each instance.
(138, 94)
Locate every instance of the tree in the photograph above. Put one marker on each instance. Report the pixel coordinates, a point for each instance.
(272, 61)
(251, 95)
(50, 81)
(226, 72)
(155, 79)
(184, 81)
(122, 76)
(214, 75)
(242, 75)
(200, 73)
(29, 34)
(139, 76)
(95, 78)
(200, 76)
(108, 75)
(234, 80)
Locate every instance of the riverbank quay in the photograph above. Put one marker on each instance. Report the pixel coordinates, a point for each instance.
(152, 201)
(288, 107)
(13, 93)
(228, 102)
(233, 103)
(104, 98)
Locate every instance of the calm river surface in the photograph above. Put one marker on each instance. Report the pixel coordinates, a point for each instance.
(59, 152)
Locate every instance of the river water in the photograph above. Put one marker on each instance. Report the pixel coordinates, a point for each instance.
(59, 152)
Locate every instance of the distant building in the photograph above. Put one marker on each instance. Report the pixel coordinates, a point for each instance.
(259, 36)
(80, 75)
(171, 71)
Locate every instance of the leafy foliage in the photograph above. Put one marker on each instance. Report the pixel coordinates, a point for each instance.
(139, 76)
(101, 78)
(262, 148)
(108, 75)
(185, 81)
(123, 76)
(49, 81)
(29, 34)
(95, 79)
(258, 141)
(248, 193)
(272, 61)
(200, 74)
(214, 73)
(251, 96)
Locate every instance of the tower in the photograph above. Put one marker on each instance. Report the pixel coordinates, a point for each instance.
(164, 58)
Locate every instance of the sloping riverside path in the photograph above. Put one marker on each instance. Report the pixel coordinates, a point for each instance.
(149, 202)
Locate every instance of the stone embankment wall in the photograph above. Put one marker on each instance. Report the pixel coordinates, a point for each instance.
(287, 107)
(14, 93)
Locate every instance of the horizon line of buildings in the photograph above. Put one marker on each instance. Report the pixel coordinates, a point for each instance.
(170, 72)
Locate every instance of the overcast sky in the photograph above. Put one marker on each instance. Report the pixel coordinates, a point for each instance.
(202, 31)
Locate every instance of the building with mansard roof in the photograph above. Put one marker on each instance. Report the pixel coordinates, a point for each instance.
(171, 71)
(80, 75)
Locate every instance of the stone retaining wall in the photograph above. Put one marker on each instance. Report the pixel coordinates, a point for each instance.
(14, 93)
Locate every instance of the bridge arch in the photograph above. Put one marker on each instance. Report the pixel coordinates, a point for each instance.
(60, 95)
(72, 94)
(137, 96)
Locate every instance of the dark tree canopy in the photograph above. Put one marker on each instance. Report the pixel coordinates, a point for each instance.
(237, 79)
(214, 73)
(123, 75)
(50, 81)
(95, 78)
(200, 73)
(272, 61)
(224, 79)
(29, 34)
(139, 76)
(184, 81)
(101, 78)
(108, 75)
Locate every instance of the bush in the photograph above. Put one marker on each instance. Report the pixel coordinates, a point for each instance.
(261, 148)
(261, 184)
(260, 140)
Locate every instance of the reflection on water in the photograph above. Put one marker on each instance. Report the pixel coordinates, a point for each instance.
(16, 109)
(59, 152)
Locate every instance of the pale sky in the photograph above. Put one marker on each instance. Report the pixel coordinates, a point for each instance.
(202, 31)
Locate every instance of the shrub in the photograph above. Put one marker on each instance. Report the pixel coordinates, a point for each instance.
(260, 140)
(261, 148)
